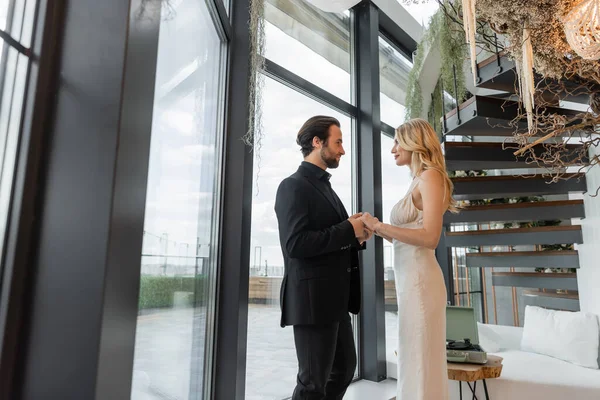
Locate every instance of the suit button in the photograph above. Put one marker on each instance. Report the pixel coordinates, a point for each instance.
(348, 270)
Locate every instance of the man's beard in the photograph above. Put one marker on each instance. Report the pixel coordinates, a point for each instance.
(331, 161)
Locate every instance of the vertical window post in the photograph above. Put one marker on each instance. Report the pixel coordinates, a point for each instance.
(234, 261)
(372, 353)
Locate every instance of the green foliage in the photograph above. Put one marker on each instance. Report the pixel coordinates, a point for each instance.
(471, 172)
(159, 291)
(414, 98)
(445, 31)
(436, 108)
(453, 50)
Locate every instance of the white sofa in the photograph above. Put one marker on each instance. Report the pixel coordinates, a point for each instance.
(533, 376)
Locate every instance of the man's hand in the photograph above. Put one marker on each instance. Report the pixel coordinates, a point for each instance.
(368, 235)
(358, 225)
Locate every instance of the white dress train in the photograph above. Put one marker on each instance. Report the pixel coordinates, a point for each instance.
(421, 292)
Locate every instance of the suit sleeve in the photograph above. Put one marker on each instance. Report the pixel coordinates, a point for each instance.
(291, 207)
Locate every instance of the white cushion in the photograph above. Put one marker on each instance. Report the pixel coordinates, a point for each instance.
(568, 336)
(489, 340)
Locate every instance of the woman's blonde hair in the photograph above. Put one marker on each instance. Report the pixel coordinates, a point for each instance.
(418, 137)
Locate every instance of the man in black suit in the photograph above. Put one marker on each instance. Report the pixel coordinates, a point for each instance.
(321, 282)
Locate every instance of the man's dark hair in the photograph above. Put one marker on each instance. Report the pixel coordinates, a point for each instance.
(316, 126)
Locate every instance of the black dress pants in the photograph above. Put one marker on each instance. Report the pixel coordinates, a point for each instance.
(326, 360)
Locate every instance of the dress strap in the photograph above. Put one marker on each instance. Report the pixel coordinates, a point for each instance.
(413, 184)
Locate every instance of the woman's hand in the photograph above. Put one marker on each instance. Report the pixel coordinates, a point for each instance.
(369, 221)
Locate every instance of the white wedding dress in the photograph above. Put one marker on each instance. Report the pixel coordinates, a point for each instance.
(421, 292)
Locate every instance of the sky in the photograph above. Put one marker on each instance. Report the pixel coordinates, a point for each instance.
(421, 12)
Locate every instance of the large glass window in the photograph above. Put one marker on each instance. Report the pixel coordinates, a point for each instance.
(271, 361)
(16, 21)
(310, 43)
(393, 78)
(178, 262)
(395, 181)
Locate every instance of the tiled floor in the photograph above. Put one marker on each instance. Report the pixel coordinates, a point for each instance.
(365, 390)
(164, 356)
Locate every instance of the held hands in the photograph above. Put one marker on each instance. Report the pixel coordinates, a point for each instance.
(369, 221)
(361, 230)
(358, 225)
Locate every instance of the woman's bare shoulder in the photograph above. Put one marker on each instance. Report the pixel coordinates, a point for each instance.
(431, 177)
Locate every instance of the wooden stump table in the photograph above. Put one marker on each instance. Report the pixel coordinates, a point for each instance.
(475, 372)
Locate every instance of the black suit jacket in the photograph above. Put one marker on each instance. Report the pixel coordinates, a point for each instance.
(321, 281)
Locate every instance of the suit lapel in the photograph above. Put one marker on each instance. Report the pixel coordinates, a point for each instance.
(341, 207)
(321, 189)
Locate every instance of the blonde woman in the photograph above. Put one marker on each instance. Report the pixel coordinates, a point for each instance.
(416, 225)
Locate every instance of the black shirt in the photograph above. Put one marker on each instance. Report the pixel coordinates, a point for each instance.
(324, 177)
(318, 172)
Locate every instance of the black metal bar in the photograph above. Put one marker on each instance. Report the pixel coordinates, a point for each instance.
(229, 365)
(88, 206)
(444, 125)
(444, 259)
(219, 15)
(473, 389)
(307, 88)
(482, 284)
(456, 95)
(388, 130)
(433, 112)
(498, 61)
(372, 364)
(487, 397)
(12, 42)
(396, 35)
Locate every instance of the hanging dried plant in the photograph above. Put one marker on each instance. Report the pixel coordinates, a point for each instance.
(526, 81)
(548, 70)
(553, 55)
(470, 24)
(582, 29)
(253, 137)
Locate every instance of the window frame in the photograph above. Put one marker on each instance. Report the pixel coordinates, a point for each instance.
(20, 207)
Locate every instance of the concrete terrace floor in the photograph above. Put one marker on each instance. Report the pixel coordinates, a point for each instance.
(163, 354)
